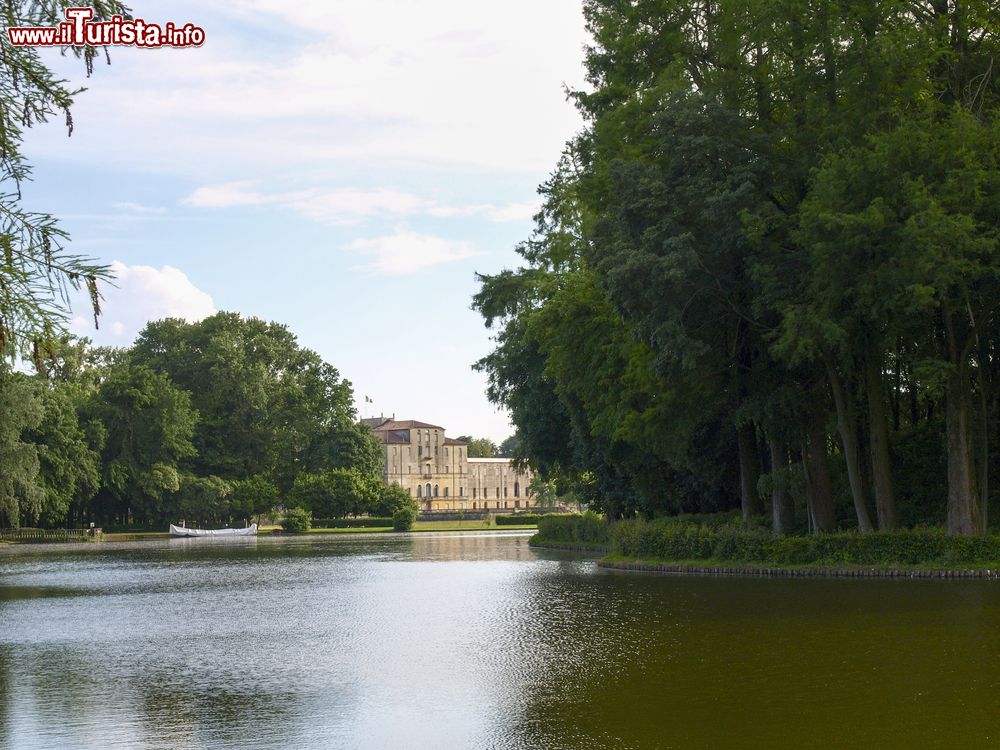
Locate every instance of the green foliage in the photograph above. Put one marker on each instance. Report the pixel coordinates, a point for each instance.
(587, 529)
(267, 405)
(297, 520)
(479, 447)
(335, 493)
(148, 423)
(252, 496)
(404, 517)
(518, 519)
(391, 497)
(21, 494)
(36, 270)
(363, 522)
(673, 541)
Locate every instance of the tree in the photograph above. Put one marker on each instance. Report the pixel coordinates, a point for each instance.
(36, 269)
(335, 493)
(69, 465)
(149, 424)
(479, 447)
(268, 407)
(252, 496)
(21, 495)
(509, 447)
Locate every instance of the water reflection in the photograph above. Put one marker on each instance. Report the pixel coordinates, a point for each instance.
(472, 641)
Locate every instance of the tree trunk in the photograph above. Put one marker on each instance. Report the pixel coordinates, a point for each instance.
(819, 489)
(847, 427)
(782, 513)
(750, 503)
(885, 500)
(963, 499)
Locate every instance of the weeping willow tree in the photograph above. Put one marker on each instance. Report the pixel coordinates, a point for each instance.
(37, 270)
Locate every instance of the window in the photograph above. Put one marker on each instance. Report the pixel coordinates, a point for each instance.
(498, 495)
(473, 506)
(419, 491)
(517, 490)
(420, 451)
(446, 451)
(427, 437)
(446, 492)
(418, 436)
(410, 490)
(428, 490)
(461, 491)
(505, 503)
(435, 490)
(446, 468)
(505, 493)
(517, 503)
(498, 503)
(473, 494)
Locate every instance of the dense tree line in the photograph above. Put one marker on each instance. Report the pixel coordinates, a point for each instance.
(216, 421)
(765, 274)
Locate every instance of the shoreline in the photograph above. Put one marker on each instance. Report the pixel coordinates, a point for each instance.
(751, 570)
(811, 571)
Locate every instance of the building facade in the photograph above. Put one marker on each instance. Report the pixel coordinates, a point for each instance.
(438, 473)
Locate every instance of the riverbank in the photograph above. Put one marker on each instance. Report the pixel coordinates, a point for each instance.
(705, 547)
(419, 526)
(701, 568)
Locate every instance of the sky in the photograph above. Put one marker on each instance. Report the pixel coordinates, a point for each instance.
(343, 167)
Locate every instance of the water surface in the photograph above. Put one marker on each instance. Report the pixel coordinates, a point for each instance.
(476, 641)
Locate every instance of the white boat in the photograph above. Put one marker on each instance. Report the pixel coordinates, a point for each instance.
(250, 530)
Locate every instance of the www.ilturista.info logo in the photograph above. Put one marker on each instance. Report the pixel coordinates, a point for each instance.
(78, 30)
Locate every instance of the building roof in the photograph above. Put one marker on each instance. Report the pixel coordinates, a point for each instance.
(408, 424)
(453, 441)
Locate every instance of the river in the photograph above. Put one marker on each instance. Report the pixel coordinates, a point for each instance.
(451, 641)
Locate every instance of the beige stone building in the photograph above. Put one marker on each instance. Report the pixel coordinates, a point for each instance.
(438, 473)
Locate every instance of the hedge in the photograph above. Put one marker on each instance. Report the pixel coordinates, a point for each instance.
(573, 528)
(664, 540)
(352, 523)
(517, 519)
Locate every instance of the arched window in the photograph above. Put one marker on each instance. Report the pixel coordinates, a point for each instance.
(427, 437)
(446, 492)
(517, 490)
(428, 489)
(418, 436)
(435, 490)
(420, 491)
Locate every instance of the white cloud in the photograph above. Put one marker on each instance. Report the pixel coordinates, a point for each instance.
(407, 252)
(138, 208)
(381, 83)
(348, 205)
(142, 294)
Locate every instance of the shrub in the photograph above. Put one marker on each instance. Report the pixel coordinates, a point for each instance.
(573, 528)
(668, 540)
(365, 522)
(297, 520)
(404, 516)
(517, 519)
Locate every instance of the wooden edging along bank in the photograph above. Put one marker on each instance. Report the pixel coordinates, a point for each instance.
(772, 572)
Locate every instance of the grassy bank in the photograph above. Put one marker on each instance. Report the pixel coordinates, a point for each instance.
(429, 526)
(720, 544)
